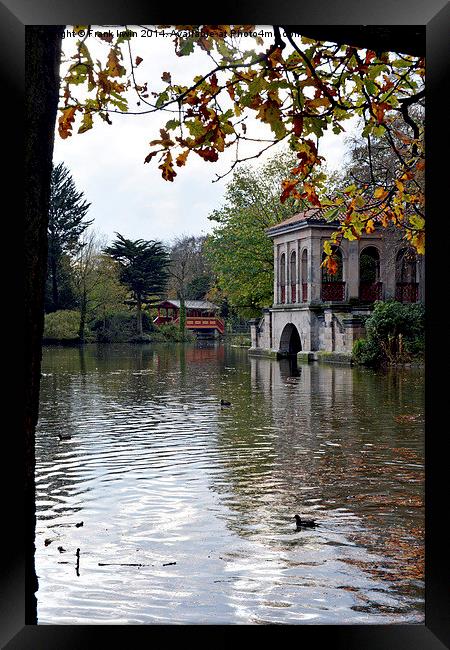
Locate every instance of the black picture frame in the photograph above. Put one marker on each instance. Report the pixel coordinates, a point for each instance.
(434, 15)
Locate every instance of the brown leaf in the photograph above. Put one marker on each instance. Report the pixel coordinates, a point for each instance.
(230, 89)
(289, 189)
(181, 159)
(150, 156)
(65, 122)
(114, 67)
(168, 172)
(208, 154)
(297, 125)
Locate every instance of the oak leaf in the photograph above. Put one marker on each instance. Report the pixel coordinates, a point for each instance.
(86, 124)
(181, 159)
(297, 123)
(208, 154)
(168, 172)
(114, 67)
(65, 122)
(150, 156)
(289, 187)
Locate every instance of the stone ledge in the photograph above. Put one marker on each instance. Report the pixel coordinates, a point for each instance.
(344, 358)
(305, 357)
(262, 352)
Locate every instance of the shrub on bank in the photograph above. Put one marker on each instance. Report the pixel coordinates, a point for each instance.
(120, 327)
(62, 325)
(241, 340)
(395, 334)
(171, 332)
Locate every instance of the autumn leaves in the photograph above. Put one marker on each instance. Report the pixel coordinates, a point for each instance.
(299, 88)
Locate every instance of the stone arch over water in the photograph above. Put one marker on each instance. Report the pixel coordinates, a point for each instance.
(290, 342)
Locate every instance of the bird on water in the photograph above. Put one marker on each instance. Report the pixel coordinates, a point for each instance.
(64, 436)
(304, 523)
(224, 403)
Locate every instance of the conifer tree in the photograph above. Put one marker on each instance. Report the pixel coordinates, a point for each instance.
(66, 224)
(143, 269)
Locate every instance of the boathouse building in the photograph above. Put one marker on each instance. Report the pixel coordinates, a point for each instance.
(313, 311)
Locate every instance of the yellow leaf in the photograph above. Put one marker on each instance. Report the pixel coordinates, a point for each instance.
(350, 234)
(86, 124)
(370, 226)
(327, 248)
(380, 193)
(419, 242)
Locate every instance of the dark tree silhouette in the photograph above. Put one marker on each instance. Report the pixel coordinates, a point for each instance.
(43, 51)
(143, 269)
(67, 210)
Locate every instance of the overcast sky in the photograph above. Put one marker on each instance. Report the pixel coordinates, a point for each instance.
(107, 162)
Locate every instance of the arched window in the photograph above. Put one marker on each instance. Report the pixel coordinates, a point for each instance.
(333, 286)
(283, 278)
(305, 275)
(369, 275)
(293, 277)
(406, 289)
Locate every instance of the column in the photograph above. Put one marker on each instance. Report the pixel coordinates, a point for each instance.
(314, 270)
(276, 297)
(351, 270)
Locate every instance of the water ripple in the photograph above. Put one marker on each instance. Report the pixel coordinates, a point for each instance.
(187, 509)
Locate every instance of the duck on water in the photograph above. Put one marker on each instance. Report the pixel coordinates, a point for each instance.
(304, 523)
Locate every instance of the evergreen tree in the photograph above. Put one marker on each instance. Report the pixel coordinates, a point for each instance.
(143, 269)
(67, 210)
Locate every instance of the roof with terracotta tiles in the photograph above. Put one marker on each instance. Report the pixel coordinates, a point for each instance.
(314, 214)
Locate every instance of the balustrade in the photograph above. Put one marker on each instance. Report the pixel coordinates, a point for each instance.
(333, 291)
(407, 291)
(370, 291)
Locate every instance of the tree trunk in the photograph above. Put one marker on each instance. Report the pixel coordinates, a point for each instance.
(42, 56)
(83, 310)
(139, 316)
(182, 313)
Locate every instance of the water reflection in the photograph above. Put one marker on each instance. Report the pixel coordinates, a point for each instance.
(188, 508)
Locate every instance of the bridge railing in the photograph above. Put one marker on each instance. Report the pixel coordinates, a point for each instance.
(205, 322)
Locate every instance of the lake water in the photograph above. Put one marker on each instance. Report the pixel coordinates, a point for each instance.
(187, 508)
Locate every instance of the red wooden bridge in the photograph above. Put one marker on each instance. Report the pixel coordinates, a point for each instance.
(200, 315)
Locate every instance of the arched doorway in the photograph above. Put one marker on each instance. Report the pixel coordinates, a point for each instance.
(290, 342)
(293, 277)
(333, 285)
(370, 286)
(406, 286)
(304, 275)
(282, 276)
